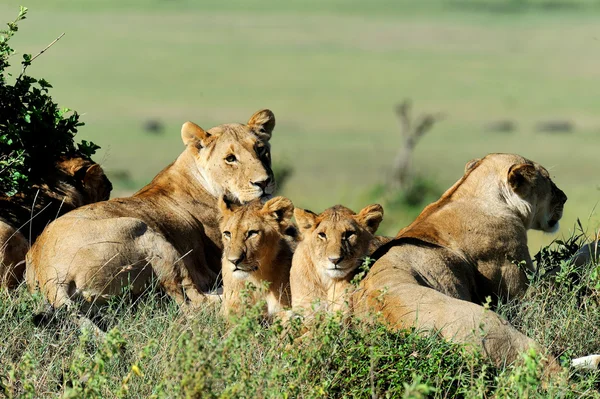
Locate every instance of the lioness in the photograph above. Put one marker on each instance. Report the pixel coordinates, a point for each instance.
(469, 245)
(169, 230)
(258, 244)
(332, 248)
(75, 181)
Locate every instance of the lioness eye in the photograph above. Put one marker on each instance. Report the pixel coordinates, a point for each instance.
(230, 158)
(252, 233)
(227, 234)
(322, 235)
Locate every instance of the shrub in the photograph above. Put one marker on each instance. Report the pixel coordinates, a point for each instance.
(34, 130)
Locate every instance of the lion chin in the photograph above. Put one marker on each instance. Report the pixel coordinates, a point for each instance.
(552, 227)
(244, 272)
(336, 272)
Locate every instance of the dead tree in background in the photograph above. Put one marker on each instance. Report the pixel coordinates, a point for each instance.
(411, 132)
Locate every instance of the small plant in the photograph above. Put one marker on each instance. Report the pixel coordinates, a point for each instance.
(34, 131)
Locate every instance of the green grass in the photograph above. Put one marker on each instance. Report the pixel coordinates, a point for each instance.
(332, 72)
(154, 350)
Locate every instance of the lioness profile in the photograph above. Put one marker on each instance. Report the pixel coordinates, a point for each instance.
(469, 245)
(75, 181)
(168, 231)
(258, 244)
(332, 248)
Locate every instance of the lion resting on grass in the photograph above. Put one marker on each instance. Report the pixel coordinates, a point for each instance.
(167, 232)
(332, 248)
(258, 243)
(469, 245)
(75, 181)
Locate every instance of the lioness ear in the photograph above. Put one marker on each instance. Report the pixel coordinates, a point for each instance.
(94, 181)
(520, 178)
(305, 219)
(370, 217)
(94, 176)
(263, 123)
(280, 208)
(471, 164)
(192, 134)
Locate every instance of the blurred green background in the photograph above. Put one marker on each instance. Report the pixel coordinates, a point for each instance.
(332, 71)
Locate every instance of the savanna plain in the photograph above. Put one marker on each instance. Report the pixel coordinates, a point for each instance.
(332, 72)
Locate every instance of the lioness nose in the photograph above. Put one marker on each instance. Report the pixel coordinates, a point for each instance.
(238, 260)
(262, 184)
(335, 259)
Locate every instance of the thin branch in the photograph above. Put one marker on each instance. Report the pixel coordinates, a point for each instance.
(40, 53)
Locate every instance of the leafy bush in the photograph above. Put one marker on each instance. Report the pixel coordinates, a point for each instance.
(34, 131)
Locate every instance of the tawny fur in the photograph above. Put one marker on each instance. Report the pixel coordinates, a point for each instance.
(328, 257)
(259, 240)
(75, 181)
(167, 232)
(469, 245)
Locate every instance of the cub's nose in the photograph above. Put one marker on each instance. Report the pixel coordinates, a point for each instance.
(237, 260)
(262, 184)
(335, 259)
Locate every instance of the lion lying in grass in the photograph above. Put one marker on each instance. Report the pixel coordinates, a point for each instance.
(167, 232)
(258, 243)
(468, 246)
(76, 181)
(332, 248)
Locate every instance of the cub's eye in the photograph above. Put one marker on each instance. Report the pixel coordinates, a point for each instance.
(252, 233)
(322, 236)
(230, 158)
(226, 234)
(348, 234)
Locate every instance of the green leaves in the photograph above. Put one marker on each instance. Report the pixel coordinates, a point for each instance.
(34, 131)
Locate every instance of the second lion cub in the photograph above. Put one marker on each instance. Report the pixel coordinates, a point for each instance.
(258, 243)
(332, 248)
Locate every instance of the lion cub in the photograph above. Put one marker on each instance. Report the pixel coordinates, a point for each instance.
(258, 243)
(331, 250)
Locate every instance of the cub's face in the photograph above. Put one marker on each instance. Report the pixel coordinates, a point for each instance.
(252, 233)
(338, 238)
(234, 159)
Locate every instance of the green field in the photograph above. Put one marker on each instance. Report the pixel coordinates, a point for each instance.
(332, 71)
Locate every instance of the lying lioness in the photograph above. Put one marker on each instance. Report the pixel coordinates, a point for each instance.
(75, 181)
(258, 243)
(332, 248)
(469, 245)
(169, 230)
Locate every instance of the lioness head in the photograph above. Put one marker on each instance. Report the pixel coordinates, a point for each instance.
(252, 233)
(86, 177)
(338, 238)
(234, 159)
(526, 186)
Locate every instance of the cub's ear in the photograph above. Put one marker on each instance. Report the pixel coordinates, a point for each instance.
(280, 208)
(263, 123)
(471, 164)
(305, 219)
(521, 177)
(370, 217)
(226, 206)
(192, 134)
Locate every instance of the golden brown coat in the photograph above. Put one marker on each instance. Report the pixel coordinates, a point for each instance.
(469, 245)
(74, 182)
(167, 232)
(259, 240)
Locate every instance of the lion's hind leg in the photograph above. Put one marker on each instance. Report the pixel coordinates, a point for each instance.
(406, 305)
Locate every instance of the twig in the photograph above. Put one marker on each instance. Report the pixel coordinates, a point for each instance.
(40, 53)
